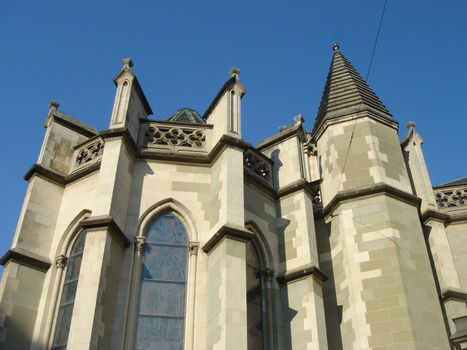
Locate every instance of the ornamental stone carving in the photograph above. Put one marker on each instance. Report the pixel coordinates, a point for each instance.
(268, 274)
(451, 197)
(310, 148)
(89, 153)
(257, 166)
(193, 248)
(175, 136)
(139, 245)
(61, 261)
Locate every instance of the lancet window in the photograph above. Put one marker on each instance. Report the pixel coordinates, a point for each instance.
(161, 318)
(67, 300)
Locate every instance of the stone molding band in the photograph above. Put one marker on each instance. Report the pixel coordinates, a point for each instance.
(59, 178)
(371, 190)
(64, 179)
(321, 126)
(446, 218)
(433, 214)
(27, 258)
(301, 272)
(237, 233)
(105, 221)
(453, 294)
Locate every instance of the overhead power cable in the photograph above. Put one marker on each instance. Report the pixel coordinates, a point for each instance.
(366, 80)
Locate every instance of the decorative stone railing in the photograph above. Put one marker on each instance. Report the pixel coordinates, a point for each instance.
(258, 165)
(451, 197)
(88, 153)
(174, 138)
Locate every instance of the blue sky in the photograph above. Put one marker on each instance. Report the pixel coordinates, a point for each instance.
(182, 50)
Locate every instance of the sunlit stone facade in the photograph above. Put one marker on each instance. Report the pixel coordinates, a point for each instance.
(178, 234)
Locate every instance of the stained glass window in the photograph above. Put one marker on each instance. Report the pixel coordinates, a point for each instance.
(161, 319)
(253, 299)
(65, 309)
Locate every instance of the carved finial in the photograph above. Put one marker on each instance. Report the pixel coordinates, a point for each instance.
(54, 104)
(127, 63)
(411, 125)
(234, 71)
(61, 261)
(139, 245)
(335, 47)
(193, 248)
(298, 119)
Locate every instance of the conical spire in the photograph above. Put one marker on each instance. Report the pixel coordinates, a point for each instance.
(346, 93)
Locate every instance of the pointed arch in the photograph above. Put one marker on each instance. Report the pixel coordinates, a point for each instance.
(70, 233)
(165, 205)
(260, 242)
(53, 285)
(163, 290)
(260, 304)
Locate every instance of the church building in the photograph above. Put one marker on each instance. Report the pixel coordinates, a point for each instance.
(178, 234)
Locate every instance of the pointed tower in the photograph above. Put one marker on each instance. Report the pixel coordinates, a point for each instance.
(382, 292)
(130, 103)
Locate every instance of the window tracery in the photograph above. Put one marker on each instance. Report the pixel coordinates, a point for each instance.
(161, 318)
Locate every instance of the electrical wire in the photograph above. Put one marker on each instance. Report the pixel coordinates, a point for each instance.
(366, 80)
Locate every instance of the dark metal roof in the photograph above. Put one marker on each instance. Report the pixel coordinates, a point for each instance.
(461, 181)
(186, 115)
(346, 92)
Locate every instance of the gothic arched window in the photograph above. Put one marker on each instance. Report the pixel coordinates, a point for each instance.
(161, 319)
(67, 300)
(254, 298)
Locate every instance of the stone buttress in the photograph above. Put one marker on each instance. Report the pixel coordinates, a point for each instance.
(443, 216)
(299, 277)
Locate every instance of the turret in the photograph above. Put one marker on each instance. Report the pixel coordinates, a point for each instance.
(224, 112)
(130, 103)
(382, 288)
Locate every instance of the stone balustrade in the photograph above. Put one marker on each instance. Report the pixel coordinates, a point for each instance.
(258, 165)
(88, 153)
(175, 137)
(451, 197)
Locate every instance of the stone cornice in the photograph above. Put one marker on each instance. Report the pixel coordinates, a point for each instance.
(321, 128)
(63, 179)
(446, 218)
(431, 214)
(301, 272)
(457, 217)
(309, 187)
(27, 258)
(105, 221)
(124, 134)
(238, 233)
(368, 191)
(453, 294)
(59, 178)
